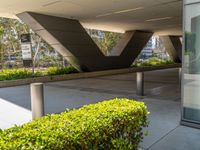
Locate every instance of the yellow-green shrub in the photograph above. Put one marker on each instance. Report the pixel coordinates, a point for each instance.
(112, 124)
(152, 62)
(60, 71)
(13, 74)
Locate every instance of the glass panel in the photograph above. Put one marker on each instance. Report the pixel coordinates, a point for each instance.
(191, 66)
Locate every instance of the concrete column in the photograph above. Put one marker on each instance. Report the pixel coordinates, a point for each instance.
(37, 100)
(173, 46)
(70, 39)
(140, 83)
(176, 41)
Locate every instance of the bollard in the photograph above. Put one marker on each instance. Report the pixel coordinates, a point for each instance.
(140, 83)
(37, 100)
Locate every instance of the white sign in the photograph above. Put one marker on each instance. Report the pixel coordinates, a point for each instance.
(26, 51)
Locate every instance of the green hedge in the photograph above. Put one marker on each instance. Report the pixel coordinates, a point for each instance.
(60, 71)
(153, 62)
(13, 74)
(112, 124)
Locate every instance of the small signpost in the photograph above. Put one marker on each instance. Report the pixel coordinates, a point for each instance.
(27, 50)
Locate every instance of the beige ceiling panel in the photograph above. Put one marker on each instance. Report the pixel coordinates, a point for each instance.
(112, 15)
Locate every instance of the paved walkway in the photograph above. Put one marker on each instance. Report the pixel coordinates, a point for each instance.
(162, 96)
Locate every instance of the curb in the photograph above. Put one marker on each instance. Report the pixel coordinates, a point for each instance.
(45, 79)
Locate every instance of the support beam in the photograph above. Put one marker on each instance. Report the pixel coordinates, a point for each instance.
(173, 46)
(176, 41)
(70, 39)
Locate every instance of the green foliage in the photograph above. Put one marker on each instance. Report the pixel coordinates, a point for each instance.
(40, 73)
(153, 62)
(13, 74)
(104, 39)
(60, 71)
(10, 46)
(113, 124)
(109, 41)
(1, 30)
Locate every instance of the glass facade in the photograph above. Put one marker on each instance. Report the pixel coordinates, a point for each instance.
(191, 64)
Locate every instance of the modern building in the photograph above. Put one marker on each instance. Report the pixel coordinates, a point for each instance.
(61, 23)
(148, 49)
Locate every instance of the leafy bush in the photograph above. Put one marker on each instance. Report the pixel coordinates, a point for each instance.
(153, 62)
(112, 124)
(40, 73)
(13, 74)
(60, 71)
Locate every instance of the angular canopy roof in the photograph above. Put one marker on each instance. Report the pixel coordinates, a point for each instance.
(160, 16)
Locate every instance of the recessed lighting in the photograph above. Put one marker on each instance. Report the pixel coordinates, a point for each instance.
(128, 10)
(102, 15)
(51, 3)
(118, 12)
(158, 19)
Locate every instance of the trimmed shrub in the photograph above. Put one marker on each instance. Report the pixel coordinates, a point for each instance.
(152, 62)
(13, 74)
(60, 71)
(112, 124)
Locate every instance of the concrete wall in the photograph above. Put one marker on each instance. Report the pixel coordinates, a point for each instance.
(70, 39)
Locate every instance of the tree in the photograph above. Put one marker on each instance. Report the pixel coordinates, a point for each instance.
(10, 48)
(104, 39)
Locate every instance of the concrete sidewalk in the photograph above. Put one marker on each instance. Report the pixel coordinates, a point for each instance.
(162, 96)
